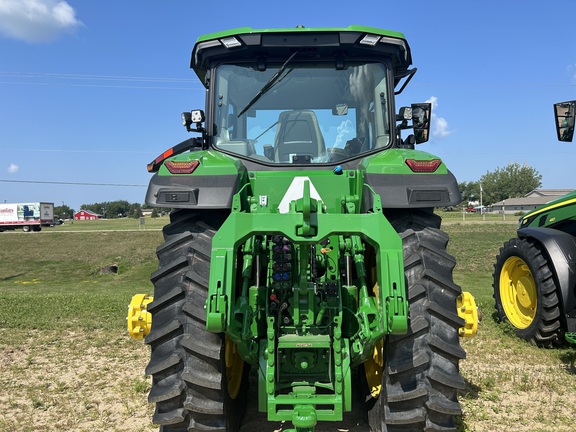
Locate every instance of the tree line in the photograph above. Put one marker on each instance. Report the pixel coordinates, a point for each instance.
(512, 181)
(107, 209)
(115, 209)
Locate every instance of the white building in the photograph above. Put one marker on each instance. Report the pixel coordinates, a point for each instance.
(532, 200)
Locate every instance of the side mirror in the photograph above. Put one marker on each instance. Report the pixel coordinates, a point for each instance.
(421, 121)
(565, 112)
(195, 116)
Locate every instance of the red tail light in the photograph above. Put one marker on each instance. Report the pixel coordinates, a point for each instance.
(423, 166)
(184, 167)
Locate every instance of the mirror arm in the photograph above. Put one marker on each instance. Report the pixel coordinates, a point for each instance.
(409, 73)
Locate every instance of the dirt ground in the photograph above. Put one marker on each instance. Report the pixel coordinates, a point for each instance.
(71, 383)
(93, 382)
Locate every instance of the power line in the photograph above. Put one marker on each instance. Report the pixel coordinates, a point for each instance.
(95, 77)
(137, 87)
(109, 77)
(71, 183)
(72, 80)
(47, 150)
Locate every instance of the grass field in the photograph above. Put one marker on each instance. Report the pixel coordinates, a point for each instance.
(66, 362)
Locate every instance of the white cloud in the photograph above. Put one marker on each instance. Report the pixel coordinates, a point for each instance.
(344, 133)
(439, 126)
(36, 20)
(13, 168)
(434, 101)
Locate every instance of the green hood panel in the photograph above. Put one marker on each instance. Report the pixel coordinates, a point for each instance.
(212, 163)
(393, 161)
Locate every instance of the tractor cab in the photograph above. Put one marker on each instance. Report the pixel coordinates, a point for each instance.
(298, 97)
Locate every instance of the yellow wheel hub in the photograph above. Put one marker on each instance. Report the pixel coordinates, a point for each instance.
(234, 368)
(373, 369)
(374, 365)
(466, 306)
(139, 320)
(518, 292)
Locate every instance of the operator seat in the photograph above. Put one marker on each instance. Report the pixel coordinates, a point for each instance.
(298, 133)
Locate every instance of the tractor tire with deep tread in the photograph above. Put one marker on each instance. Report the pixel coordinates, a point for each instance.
(187, 363)
(421, 377)
(525, 293)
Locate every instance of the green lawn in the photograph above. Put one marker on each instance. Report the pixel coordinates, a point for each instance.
(59, 271)
(68, 364)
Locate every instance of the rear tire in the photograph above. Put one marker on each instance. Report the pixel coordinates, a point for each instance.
(526, 294)
(420, 377)
(188, 364)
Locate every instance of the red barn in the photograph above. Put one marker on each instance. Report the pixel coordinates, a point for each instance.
(86, 215)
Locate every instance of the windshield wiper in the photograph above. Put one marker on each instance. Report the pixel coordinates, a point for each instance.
(268, 85)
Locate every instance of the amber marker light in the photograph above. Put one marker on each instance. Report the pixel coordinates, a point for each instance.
(423, 166)
(155, 164)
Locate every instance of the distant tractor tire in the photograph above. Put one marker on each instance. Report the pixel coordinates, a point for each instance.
(199, 382)
(526, 294)
(420, 378)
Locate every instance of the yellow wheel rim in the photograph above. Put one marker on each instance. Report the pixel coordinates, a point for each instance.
(518, 292)
(373, 369)
(374, 365)
(234, 368)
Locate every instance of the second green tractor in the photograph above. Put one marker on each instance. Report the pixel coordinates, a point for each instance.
(535, 273)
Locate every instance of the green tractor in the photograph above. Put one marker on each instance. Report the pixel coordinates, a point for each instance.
(303, 254)
(535, 273)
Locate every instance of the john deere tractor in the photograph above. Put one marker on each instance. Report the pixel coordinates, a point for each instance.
(303, 249)
(535, 273)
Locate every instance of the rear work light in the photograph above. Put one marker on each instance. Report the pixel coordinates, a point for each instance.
(185, 167)
(423, 166)
(231, 42)
(370, 39)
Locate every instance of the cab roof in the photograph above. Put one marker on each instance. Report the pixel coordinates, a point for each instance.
(345, 43)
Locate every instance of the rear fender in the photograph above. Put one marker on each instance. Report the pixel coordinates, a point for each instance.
(561, 250)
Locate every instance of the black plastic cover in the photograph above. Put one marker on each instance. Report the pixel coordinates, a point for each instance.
(413, 191)
(192, 192)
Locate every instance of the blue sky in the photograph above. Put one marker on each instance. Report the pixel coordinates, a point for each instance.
(91, 91)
